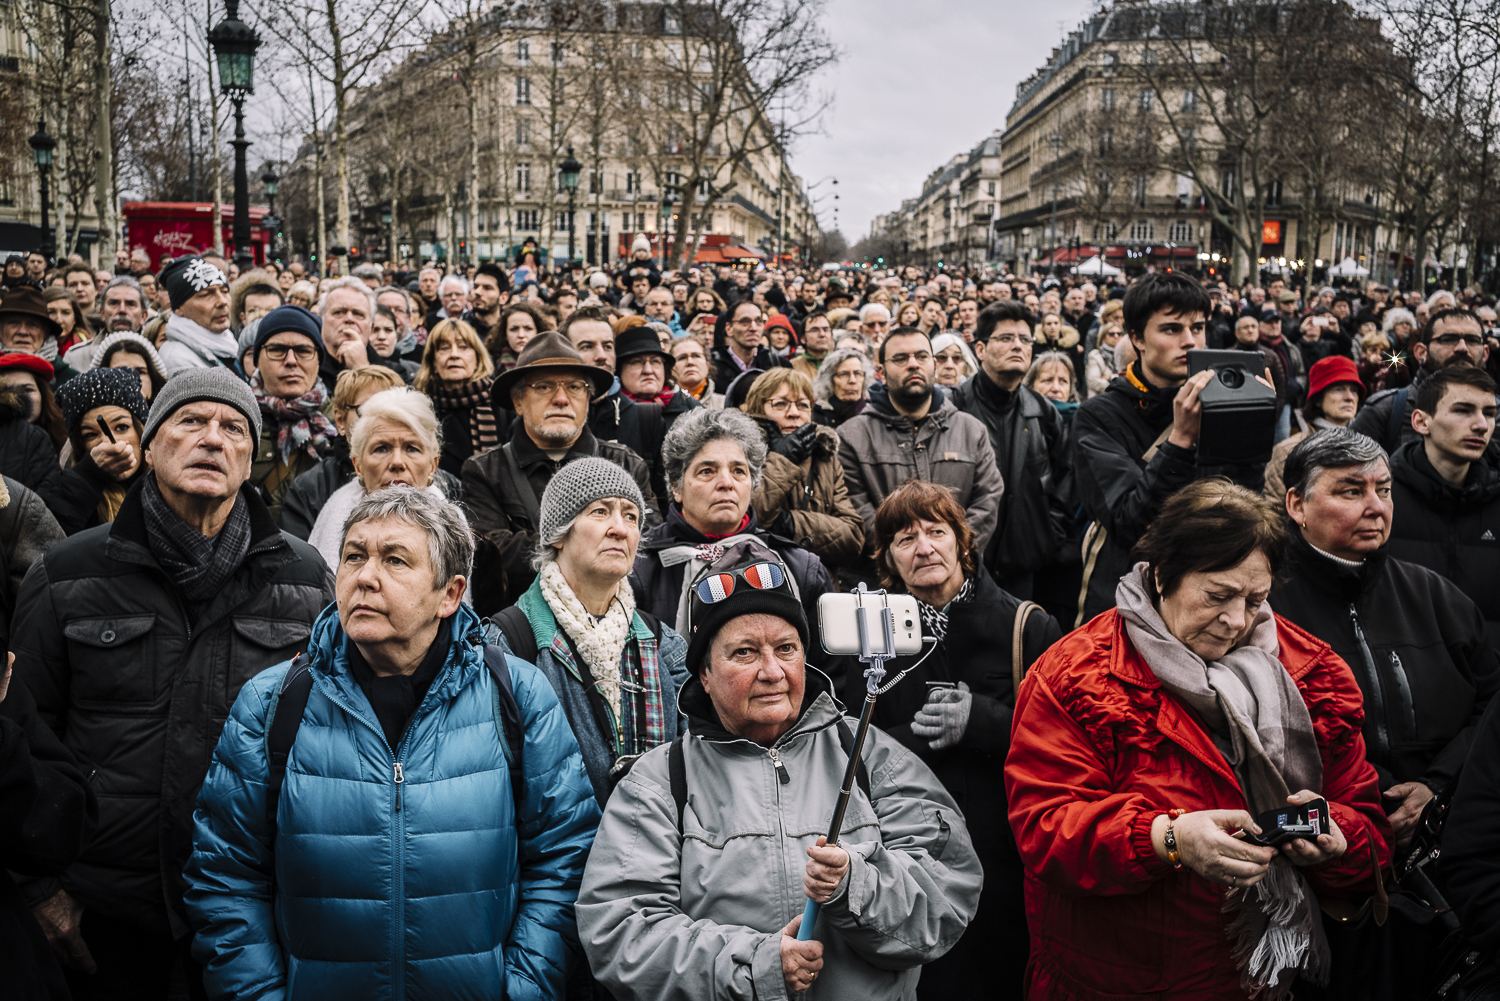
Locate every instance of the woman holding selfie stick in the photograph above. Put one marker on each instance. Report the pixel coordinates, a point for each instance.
(954, 712)
(1145, 747)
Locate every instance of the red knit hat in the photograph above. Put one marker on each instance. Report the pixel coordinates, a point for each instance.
(780, 320)
(26, 363)
(1331, 371)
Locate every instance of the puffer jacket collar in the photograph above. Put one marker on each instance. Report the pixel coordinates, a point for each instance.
(820, 710)
(1414, 470)
(1330, 576)
(329, 662)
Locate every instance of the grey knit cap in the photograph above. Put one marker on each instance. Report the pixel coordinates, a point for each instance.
(577, 485)
(214, 385)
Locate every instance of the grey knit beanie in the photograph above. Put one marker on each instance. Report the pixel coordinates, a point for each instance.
(194, 385)
(576, 486)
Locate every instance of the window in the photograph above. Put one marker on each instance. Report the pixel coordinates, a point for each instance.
(632, 182)
(640, 221)
(1111, 63)
(1190, 101)
(526, 219)
(1189, 141)
(1105, 231)
(1107, 99)
(592, 219)
(523, 53)
(557, 53)
(594, 181)
(481, 221)
(703, 188)
(1146, 99)
(1181, 232)
(523, 131)
(523, 90)
(560, 220)
(673, 22)
(1273, 193)
(1148, 57)
(1138, 194)
(1184, 188)
(523, 177)
(1106, 142)
(495, 220)
(991, 188)
(1141, 230)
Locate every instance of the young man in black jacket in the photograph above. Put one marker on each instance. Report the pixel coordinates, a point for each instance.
(1031, 450)
(1446, 488)
(1135, 444)
(1417, 647)
(1452, 337)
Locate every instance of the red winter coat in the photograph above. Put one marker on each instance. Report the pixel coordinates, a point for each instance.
(1097, 751)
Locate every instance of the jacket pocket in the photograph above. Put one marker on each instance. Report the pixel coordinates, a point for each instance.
(258, 643)
(113, 658)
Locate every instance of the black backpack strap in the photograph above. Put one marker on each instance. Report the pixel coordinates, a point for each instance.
(507, 718)
(286, 720)
(1397, 418)
(677, 777)
(517, 629)
(861, 773)
(523, 489)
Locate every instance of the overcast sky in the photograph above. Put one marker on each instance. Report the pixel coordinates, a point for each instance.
(918, 83)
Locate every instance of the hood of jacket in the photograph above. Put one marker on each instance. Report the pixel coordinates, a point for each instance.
(879, 400)
(1411, 467)
(1155, 402)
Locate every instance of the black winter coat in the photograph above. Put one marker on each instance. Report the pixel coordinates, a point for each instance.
(47, 811)
(1031, 451)
(138, 692)
(640, 427)
(1471, 838)
(1454, 531)
(1416, 645)
(26, 453)
(1374, 418)
(991, 957)
(80, 491)
(505, 515)
(658, 589)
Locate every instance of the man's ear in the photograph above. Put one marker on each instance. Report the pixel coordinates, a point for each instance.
(453, 597)
(1421, 422)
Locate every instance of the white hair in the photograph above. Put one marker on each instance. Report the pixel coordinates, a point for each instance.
(458, 280)
(400, 405)
(868, 310)
(332, 285)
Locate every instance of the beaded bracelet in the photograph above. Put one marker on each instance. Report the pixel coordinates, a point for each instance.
(1174, 857)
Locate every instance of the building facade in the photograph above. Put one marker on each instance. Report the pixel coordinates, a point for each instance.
(950, 221)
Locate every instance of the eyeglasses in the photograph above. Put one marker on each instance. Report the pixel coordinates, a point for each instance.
(545, 389)
(745, 321)
(278, 352)
(761, 576)
(782, 406)
(1011, 339)
(920, 357)
(1452, 340)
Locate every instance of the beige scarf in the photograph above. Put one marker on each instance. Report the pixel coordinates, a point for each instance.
(600, 642)
(1258, 720)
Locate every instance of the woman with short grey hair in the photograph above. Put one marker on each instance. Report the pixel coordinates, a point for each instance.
(615, 668)
(394, 442)
(842, 386)
(695, 431)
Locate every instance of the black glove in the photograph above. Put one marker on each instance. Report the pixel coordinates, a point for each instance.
(798, 445)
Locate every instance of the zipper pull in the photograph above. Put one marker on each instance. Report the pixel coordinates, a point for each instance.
(781, 772)
(400, 778)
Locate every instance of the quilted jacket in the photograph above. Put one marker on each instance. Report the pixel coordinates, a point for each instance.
(383, 880)
(1097, 752)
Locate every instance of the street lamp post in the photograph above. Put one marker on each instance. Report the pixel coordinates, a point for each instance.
(234, 44)
(570, 169)
(269, 221)
(42, 146)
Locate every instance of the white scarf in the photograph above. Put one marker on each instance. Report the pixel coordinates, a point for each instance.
(200, 340)
(327, 535)
(601, 643)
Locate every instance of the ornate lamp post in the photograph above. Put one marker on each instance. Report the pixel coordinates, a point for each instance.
(234, 44)
(270, 220)
(570, 169)
(42, 146)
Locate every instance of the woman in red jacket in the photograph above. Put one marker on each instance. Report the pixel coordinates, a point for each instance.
(1146, 741)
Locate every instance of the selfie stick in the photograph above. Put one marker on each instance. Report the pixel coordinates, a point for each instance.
(874, 675)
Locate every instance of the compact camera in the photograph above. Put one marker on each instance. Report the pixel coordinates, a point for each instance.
(1289, 823)
(1239, 411)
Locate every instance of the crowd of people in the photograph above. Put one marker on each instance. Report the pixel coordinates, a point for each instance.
(456, 632)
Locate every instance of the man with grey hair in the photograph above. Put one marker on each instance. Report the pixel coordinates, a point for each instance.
(874, 322)
(1418, 648)
(453, 293)
(713, 460)
(549, 389)
(347, 309)
(135, 637)
(123, 308)
(399, 804)
(370, 274)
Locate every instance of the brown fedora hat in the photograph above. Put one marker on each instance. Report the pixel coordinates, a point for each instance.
(24, 300)
(549, 352)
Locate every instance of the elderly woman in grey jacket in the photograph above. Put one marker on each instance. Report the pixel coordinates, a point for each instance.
(711, 846)
(615, 669)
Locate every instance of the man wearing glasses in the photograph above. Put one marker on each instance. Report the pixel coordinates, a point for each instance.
(744, 346)
(1031, 450)
(296, 433)
(1451, 337)
(549, 389)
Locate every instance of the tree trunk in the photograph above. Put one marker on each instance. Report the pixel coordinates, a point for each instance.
(471, 224)
(341, 170)
(320, 242)
(104, 180)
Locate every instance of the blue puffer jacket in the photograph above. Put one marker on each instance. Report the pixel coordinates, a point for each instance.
(390, 890)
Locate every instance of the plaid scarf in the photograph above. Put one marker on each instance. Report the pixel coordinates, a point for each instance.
(300, 423)
(934, 619)
(199, 566)
(475, 398)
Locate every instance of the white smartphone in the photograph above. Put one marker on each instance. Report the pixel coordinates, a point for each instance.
(839, 630)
